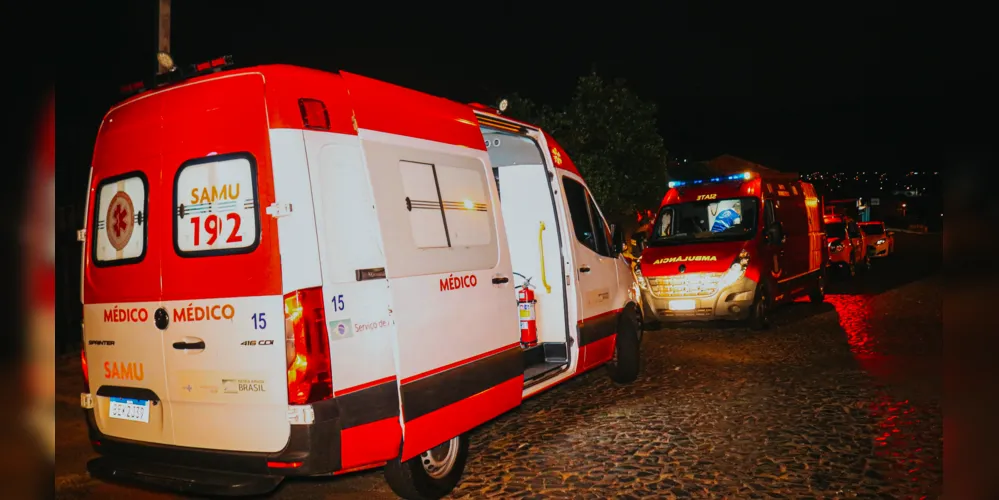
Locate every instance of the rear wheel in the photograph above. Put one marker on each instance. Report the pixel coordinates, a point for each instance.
(759, 317)
(818, 293)
(623, 367)
(431, 475)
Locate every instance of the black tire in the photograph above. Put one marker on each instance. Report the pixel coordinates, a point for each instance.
(759, 316)
(866, 264)
(623, 367)
(818, 293)
(411, 479)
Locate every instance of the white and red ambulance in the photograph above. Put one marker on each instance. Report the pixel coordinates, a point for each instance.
(289, 272)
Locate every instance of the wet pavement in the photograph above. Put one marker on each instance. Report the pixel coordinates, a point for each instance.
(839, 400)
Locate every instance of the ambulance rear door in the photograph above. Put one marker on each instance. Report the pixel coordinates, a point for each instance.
(183, 316)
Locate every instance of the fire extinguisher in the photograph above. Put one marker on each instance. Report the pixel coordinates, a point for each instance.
(528, 319)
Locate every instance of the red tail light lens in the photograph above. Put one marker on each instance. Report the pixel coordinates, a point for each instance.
(86, 374)
(308, 348)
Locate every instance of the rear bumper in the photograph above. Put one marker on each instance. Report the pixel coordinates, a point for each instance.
(841, 258)
(181, 479)
(731, 303)
(314, 448)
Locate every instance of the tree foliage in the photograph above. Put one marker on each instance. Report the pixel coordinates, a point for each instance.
(611, 135)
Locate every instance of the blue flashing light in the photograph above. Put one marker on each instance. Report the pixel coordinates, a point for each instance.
(744, 176)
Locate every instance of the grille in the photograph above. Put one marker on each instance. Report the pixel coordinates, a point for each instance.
(685, 285)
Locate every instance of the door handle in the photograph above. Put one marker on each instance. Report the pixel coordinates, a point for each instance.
(584, 269)
(500, 280)
(193, 344)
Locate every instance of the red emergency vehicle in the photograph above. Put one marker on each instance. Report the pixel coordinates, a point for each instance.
(289, 272)
(732, 246)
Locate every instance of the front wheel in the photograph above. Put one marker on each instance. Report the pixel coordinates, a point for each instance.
(818, 293)
(623, 367)
(759, 317)
(431, 475)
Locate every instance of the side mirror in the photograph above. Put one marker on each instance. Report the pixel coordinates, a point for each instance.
(775, 234)
(639, 242)
(618, 240)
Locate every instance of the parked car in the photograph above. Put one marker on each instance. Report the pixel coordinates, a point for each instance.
(879, 240)
(847, 249)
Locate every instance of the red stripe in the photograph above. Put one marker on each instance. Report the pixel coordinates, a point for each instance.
(459, 363)
(364, 386)
(601, 315)
(358, 469)
(598, 353)
(435, 428)
(370, 443)
(397, 110)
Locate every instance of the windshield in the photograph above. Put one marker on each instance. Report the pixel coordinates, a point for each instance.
(835, 230)
(873, 229)
(706, 221)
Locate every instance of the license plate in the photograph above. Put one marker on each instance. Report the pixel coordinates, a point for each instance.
(136, 410)
(682, 305)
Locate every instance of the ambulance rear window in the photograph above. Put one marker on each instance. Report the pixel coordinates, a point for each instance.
(215, 206)
(120, 220)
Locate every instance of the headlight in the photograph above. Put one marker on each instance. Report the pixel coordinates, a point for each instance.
(881, 242)
(736, 271)
(638, 275)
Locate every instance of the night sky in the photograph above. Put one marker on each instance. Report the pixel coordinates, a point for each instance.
(800, 91)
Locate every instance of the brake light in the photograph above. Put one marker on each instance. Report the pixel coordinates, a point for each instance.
(307, 347)
(86, 374)
(284, 465)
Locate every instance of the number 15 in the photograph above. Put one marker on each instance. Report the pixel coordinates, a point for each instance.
(338, 302)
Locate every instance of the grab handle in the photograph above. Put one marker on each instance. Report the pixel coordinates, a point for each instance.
(541, 247)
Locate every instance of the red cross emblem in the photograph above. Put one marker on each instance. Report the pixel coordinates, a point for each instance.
(120, 220)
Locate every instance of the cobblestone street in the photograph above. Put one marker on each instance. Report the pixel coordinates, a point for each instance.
(839, 400)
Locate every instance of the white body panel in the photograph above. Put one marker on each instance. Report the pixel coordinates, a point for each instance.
(598, 288)
(300, 247)
(349, 240)
(437, 326)
(227, 396)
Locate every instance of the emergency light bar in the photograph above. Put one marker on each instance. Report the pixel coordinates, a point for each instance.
(745, 176)
(211, 66)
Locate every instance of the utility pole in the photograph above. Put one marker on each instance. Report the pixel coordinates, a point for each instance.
(163, 32)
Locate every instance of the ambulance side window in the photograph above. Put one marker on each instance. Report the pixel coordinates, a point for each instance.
(602, 232)
(119, 220)
(447, 206)
(768, 213)
(575, 196)
(586, 222)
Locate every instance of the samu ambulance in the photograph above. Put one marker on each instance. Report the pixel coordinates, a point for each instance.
(732, 246)
(289, 272)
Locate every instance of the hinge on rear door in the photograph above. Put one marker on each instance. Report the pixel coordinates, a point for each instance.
(81, 235)
(279, 209)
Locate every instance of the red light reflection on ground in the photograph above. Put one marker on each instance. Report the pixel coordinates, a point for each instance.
(900, 431)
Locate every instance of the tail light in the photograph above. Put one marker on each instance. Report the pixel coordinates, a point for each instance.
(86, 374)
(307, 347)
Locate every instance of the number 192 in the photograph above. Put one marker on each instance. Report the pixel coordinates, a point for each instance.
(213, 226)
